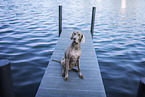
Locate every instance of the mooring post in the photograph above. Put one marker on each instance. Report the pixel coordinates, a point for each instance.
(141, 89)
(6, 86)
(60, 20)
(93, 20)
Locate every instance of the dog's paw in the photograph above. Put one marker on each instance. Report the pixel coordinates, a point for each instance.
(81, 76)
(66, 78)
(63, 75)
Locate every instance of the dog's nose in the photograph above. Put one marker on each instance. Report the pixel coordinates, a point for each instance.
(74, 37)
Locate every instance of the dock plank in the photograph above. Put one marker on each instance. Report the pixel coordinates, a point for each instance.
(53, 84)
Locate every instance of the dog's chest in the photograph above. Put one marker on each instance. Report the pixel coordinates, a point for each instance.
(74, 57)
(75, 54)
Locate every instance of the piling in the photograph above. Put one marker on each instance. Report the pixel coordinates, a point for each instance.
(6, 86)
(141, 89)
(60, 20)
(93, 20)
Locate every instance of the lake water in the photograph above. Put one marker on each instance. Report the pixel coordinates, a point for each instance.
(29, 33)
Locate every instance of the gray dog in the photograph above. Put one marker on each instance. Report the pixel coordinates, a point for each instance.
(72, 55)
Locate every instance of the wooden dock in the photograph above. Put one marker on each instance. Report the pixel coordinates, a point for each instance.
(53, 84)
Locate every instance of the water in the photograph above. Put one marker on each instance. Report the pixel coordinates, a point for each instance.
(29, 30)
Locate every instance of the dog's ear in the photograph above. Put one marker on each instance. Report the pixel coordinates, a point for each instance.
(82, 39)
(72, 35)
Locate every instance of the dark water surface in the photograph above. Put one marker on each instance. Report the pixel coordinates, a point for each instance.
(29, 30)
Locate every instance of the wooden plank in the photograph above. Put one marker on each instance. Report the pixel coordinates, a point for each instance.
(53, 84)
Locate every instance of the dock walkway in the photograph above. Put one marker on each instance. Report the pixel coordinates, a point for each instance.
(53, 84)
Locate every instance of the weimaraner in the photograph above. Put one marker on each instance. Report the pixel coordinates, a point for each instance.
(72, 55)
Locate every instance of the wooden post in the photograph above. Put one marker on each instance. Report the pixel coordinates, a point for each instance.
(60, 20)
(141, 89)
(93, 20)
(6, 86)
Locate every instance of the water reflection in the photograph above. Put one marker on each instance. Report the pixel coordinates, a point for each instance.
(123, 5)
(123, 14)
(99, 0)
(99, 5)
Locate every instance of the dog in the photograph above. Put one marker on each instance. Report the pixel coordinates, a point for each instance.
(72, 55)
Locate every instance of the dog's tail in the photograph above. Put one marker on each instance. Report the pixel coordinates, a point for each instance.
(56, 61)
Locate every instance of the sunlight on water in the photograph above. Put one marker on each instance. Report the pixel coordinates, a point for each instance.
(123, 4)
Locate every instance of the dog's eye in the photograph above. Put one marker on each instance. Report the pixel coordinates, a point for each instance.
(79, 34)
(74, 33)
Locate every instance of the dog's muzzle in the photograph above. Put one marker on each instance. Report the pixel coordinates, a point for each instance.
(76, 40)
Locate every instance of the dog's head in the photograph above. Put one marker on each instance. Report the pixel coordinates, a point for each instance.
(78, 37)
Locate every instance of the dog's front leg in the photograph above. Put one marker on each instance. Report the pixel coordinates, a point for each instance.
(80, 74)
(63, 67)
(67, 68)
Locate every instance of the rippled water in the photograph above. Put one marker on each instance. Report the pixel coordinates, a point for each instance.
(29, 30)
